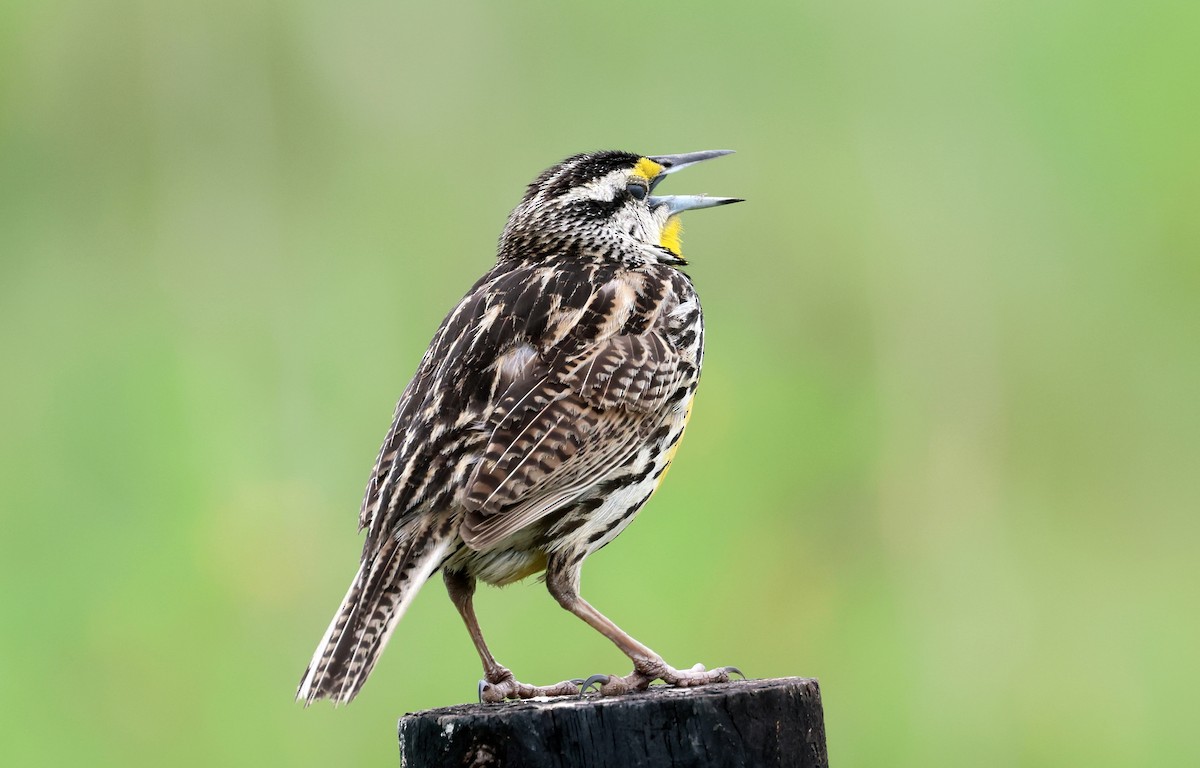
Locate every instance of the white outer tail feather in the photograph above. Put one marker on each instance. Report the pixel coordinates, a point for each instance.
(302, 694)
(431, 559)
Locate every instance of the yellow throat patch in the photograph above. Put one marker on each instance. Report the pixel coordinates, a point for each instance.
(670, 237)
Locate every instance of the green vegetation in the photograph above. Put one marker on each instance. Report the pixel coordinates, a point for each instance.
(945, 456)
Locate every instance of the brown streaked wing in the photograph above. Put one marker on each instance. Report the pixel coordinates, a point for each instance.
(570, 423)
(452, 383)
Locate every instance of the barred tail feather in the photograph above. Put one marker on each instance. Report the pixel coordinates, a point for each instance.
(381, 592)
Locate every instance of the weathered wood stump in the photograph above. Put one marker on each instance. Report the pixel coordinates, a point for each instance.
(745, 723)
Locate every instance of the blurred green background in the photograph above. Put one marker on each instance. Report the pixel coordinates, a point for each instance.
(945, 456)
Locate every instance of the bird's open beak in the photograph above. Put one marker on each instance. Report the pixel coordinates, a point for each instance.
(679, 203)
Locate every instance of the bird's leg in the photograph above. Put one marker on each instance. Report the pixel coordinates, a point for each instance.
(461, 588)
(562, 579)
(498, 683)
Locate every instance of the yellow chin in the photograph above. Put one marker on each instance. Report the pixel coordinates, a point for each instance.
(670, 238)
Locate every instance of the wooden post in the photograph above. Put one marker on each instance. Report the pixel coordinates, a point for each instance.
(743, 723)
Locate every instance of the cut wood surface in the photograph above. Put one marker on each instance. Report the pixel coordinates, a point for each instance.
(745, 723)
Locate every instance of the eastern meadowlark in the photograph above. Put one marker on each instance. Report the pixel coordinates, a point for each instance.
(543, 416)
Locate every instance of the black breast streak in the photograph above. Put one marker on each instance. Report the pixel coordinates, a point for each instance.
(629, 512)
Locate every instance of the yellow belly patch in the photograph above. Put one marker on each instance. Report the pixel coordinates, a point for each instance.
(674, 448)
(536, 564)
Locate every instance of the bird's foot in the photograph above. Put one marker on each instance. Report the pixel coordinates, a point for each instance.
(501, 685)
(646, 672)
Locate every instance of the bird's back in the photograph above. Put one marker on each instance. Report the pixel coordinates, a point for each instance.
(546, 403)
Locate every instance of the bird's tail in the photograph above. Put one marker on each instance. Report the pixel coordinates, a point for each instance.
(381, 592)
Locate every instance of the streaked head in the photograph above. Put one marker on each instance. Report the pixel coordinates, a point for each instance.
(602, 202)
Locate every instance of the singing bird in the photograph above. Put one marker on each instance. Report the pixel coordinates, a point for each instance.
(544, 414)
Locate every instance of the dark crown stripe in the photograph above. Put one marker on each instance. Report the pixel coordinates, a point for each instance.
(579, 169)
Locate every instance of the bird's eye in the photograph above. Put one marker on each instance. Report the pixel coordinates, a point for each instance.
(638, 189)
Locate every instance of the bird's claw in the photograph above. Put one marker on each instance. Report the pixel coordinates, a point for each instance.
(597, 680)
(732, 671)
